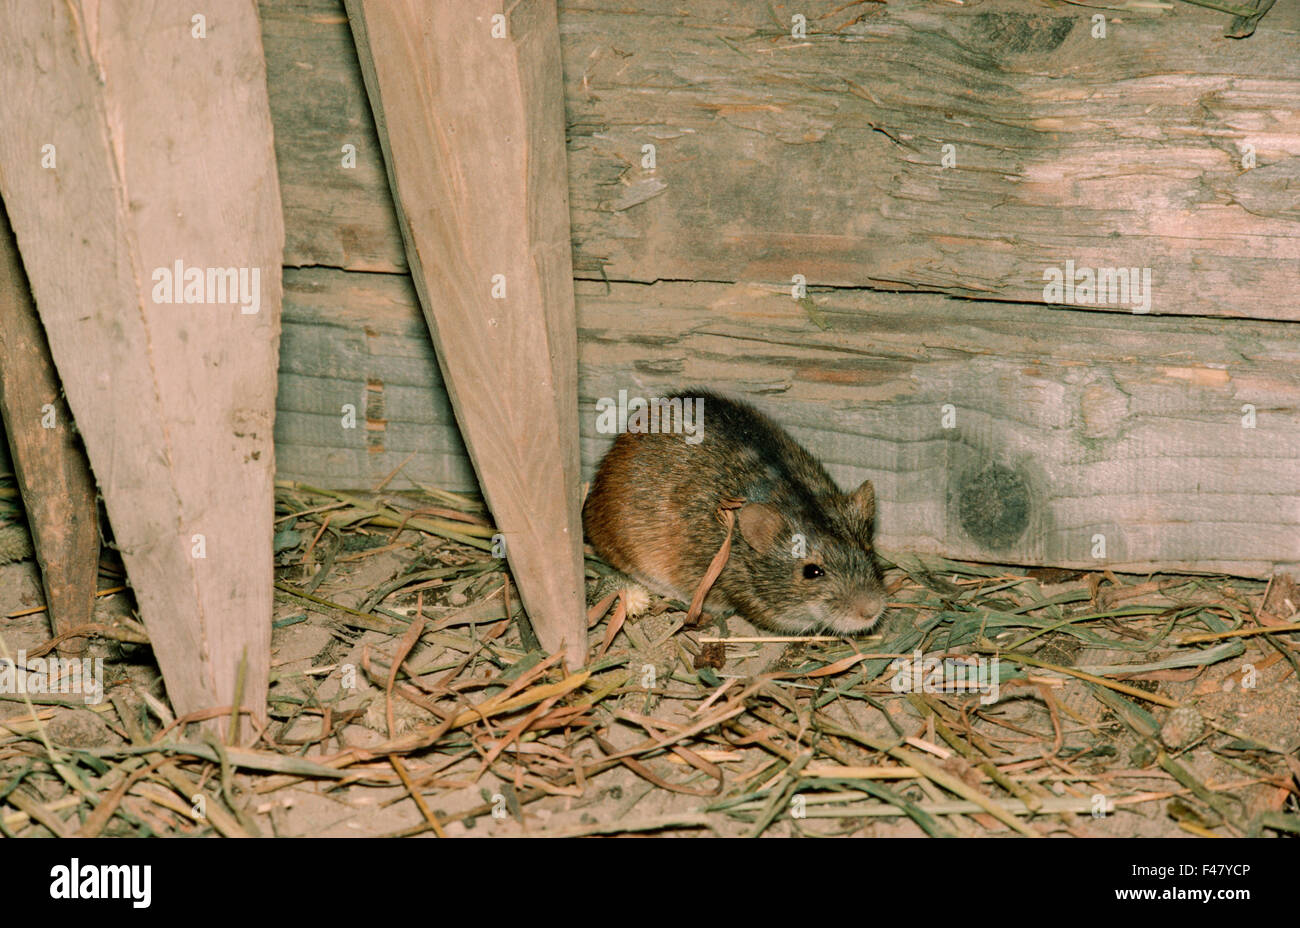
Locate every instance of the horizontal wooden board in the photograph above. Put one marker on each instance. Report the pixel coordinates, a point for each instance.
(360, 389)
(1097, 423)
(338, 210)
(822, 156)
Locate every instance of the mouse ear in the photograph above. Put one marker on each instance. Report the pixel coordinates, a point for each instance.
(863, 501)
(760, 525)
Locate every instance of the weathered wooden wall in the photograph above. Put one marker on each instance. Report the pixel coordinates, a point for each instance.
(776, 156)
(821, 156)
(1100, 427)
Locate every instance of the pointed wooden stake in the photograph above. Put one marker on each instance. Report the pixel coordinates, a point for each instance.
(53, 475)
(137, 167)
(470, 111)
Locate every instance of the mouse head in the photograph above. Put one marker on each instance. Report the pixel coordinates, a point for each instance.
(807, 569)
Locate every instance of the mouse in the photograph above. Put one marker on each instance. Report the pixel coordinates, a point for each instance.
(802, 559)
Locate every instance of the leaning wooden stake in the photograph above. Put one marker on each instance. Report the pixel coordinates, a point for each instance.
(53, 475)
(470, 111)
(137, 143)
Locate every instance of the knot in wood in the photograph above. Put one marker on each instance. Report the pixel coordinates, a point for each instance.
(993, 506)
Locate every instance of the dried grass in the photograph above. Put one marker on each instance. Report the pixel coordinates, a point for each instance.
(787, 736)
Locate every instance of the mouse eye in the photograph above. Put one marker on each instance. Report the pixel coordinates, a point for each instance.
(812, 572)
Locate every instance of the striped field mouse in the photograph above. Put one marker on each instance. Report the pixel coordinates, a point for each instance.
(801, 559)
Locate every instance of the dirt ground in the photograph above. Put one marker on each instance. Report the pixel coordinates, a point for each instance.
(1109, 719)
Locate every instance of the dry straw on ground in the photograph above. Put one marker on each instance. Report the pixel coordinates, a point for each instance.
(404, 702)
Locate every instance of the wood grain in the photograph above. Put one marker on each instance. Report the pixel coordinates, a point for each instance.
(49, 461)
(360, 390)
(164, 154)
(1131, 432)
(1065, 428)
(472, 127)
(338, 211)
(822, 156)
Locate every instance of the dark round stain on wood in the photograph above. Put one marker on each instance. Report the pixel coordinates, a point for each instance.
(1023, 33)
(993, 505)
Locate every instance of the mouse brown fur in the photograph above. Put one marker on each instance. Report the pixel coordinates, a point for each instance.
(801, 559)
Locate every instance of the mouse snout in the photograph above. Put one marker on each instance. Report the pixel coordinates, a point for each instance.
(869, 604)
(856, 613)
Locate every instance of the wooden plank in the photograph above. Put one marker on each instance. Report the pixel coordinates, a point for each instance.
(50, 464)
(357, 399)
(164, 155)
(1066, 428)
(1134, 432)
(822, 156)
(472, 126)
(338, 209)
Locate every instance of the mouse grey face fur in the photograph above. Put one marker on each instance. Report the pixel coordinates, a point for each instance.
(811, 574)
